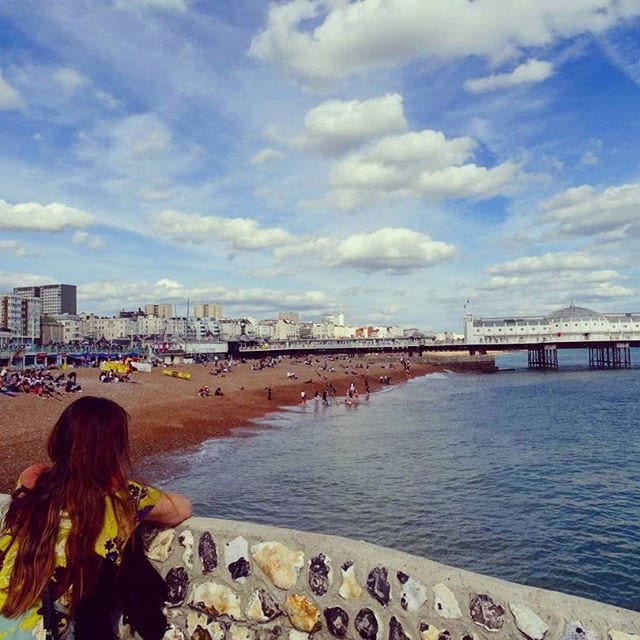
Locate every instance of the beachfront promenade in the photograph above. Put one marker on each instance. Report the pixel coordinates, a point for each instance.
(612, 352)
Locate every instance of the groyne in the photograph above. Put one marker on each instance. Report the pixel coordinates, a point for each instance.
(230, 580)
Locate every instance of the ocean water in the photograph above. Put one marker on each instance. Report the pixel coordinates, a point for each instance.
(532, 477)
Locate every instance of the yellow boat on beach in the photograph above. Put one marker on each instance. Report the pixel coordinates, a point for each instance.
(183, 375)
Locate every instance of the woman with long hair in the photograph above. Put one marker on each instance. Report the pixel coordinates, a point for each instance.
(66, 520)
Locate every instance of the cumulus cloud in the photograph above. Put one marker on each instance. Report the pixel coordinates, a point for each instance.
(108, 294)
(351, 37)
(560, 261)
(242, 234)
(12, 246)
(395, 250)
(588, 285)
(421, 165)
(337, 126)
(9, 280)
(265, 155)
(10, 98)
(69, 79)
(31, 216)
(585, 211)
(87, 239)
(527, 73)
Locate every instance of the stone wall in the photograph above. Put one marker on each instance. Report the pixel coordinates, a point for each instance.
(237, 581)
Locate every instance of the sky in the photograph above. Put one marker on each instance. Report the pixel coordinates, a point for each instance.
(400, 161)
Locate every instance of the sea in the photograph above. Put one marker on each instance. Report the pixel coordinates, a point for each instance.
(529, 476)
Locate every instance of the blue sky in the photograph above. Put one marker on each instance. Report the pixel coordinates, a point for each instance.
(388, 159)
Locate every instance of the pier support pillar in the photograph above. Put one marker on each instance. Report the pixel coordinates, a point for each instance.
(543, 357)
(616, 356)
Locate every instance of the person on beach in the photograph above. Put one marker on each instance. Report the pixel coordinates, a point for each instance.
(65, 534)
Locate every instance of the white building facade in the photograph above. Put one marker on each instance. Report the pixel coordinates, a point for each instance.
(570, 324)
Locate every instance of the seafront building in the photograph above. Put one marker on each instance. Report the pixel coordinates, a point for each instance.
(54, 298)
(567, 324)
(208, 310)
(160, 310)
(20, 315)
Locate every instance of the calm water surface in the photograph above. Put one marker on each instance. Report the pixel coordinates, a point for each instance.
(531, 477)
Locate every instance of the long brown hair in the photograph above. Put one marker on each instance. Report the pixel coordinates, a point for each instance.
(89, 451)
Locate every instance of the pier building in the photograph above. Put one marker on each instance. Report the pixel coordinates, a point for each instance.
(570, 324)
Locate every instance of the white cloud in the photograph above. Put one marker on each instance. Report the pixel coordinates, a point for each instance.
(583, 211)
(351, 37)
(529, 72)
(563, 285)
(336, 126)
(548, 262)
(242, 234)
(423, 165)
(13, 246)
(10, 280)
(170, 5)
(87, 239)
(10, 98)
(265, 155)
(395, 250)
(31, 216)
(69, 79)
(107, 294)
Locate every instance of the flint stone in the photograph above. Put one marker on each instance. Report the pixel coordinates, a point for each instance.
(320, 574)
(396, 630)
(350, 589)
(528, 622)
(429, 631)
(367, 624)
(238, 632)
(263, 607)
(268, 633)
(303, 614)
(161, 545)
(446, 604)
(414, 595)
(186, 540)
(177, 581)
(279, 564)
(576, 631)
(173, 633)
(207, 552)
(621, 635)
(200, 626)
(445, 635)
(378, 585)
(337, 621)
(402, 577)
(486, 613)
(236, 553)
(216, 600)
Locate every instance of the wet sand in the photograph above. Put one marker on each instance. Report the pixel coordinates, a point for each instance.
(168, 415)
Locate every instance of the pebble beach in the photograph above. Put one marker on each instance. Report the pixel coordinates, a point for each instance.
(166, 413)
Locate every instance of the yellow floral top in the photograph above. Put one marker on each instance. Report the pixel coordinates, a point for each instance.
(109, 545)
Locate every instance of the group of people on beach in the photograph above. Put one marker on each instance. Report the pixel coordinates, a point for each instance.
(40, 382)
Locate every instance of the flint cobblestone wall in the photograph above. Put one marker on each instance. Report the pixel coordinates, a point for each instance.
(231, 580)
